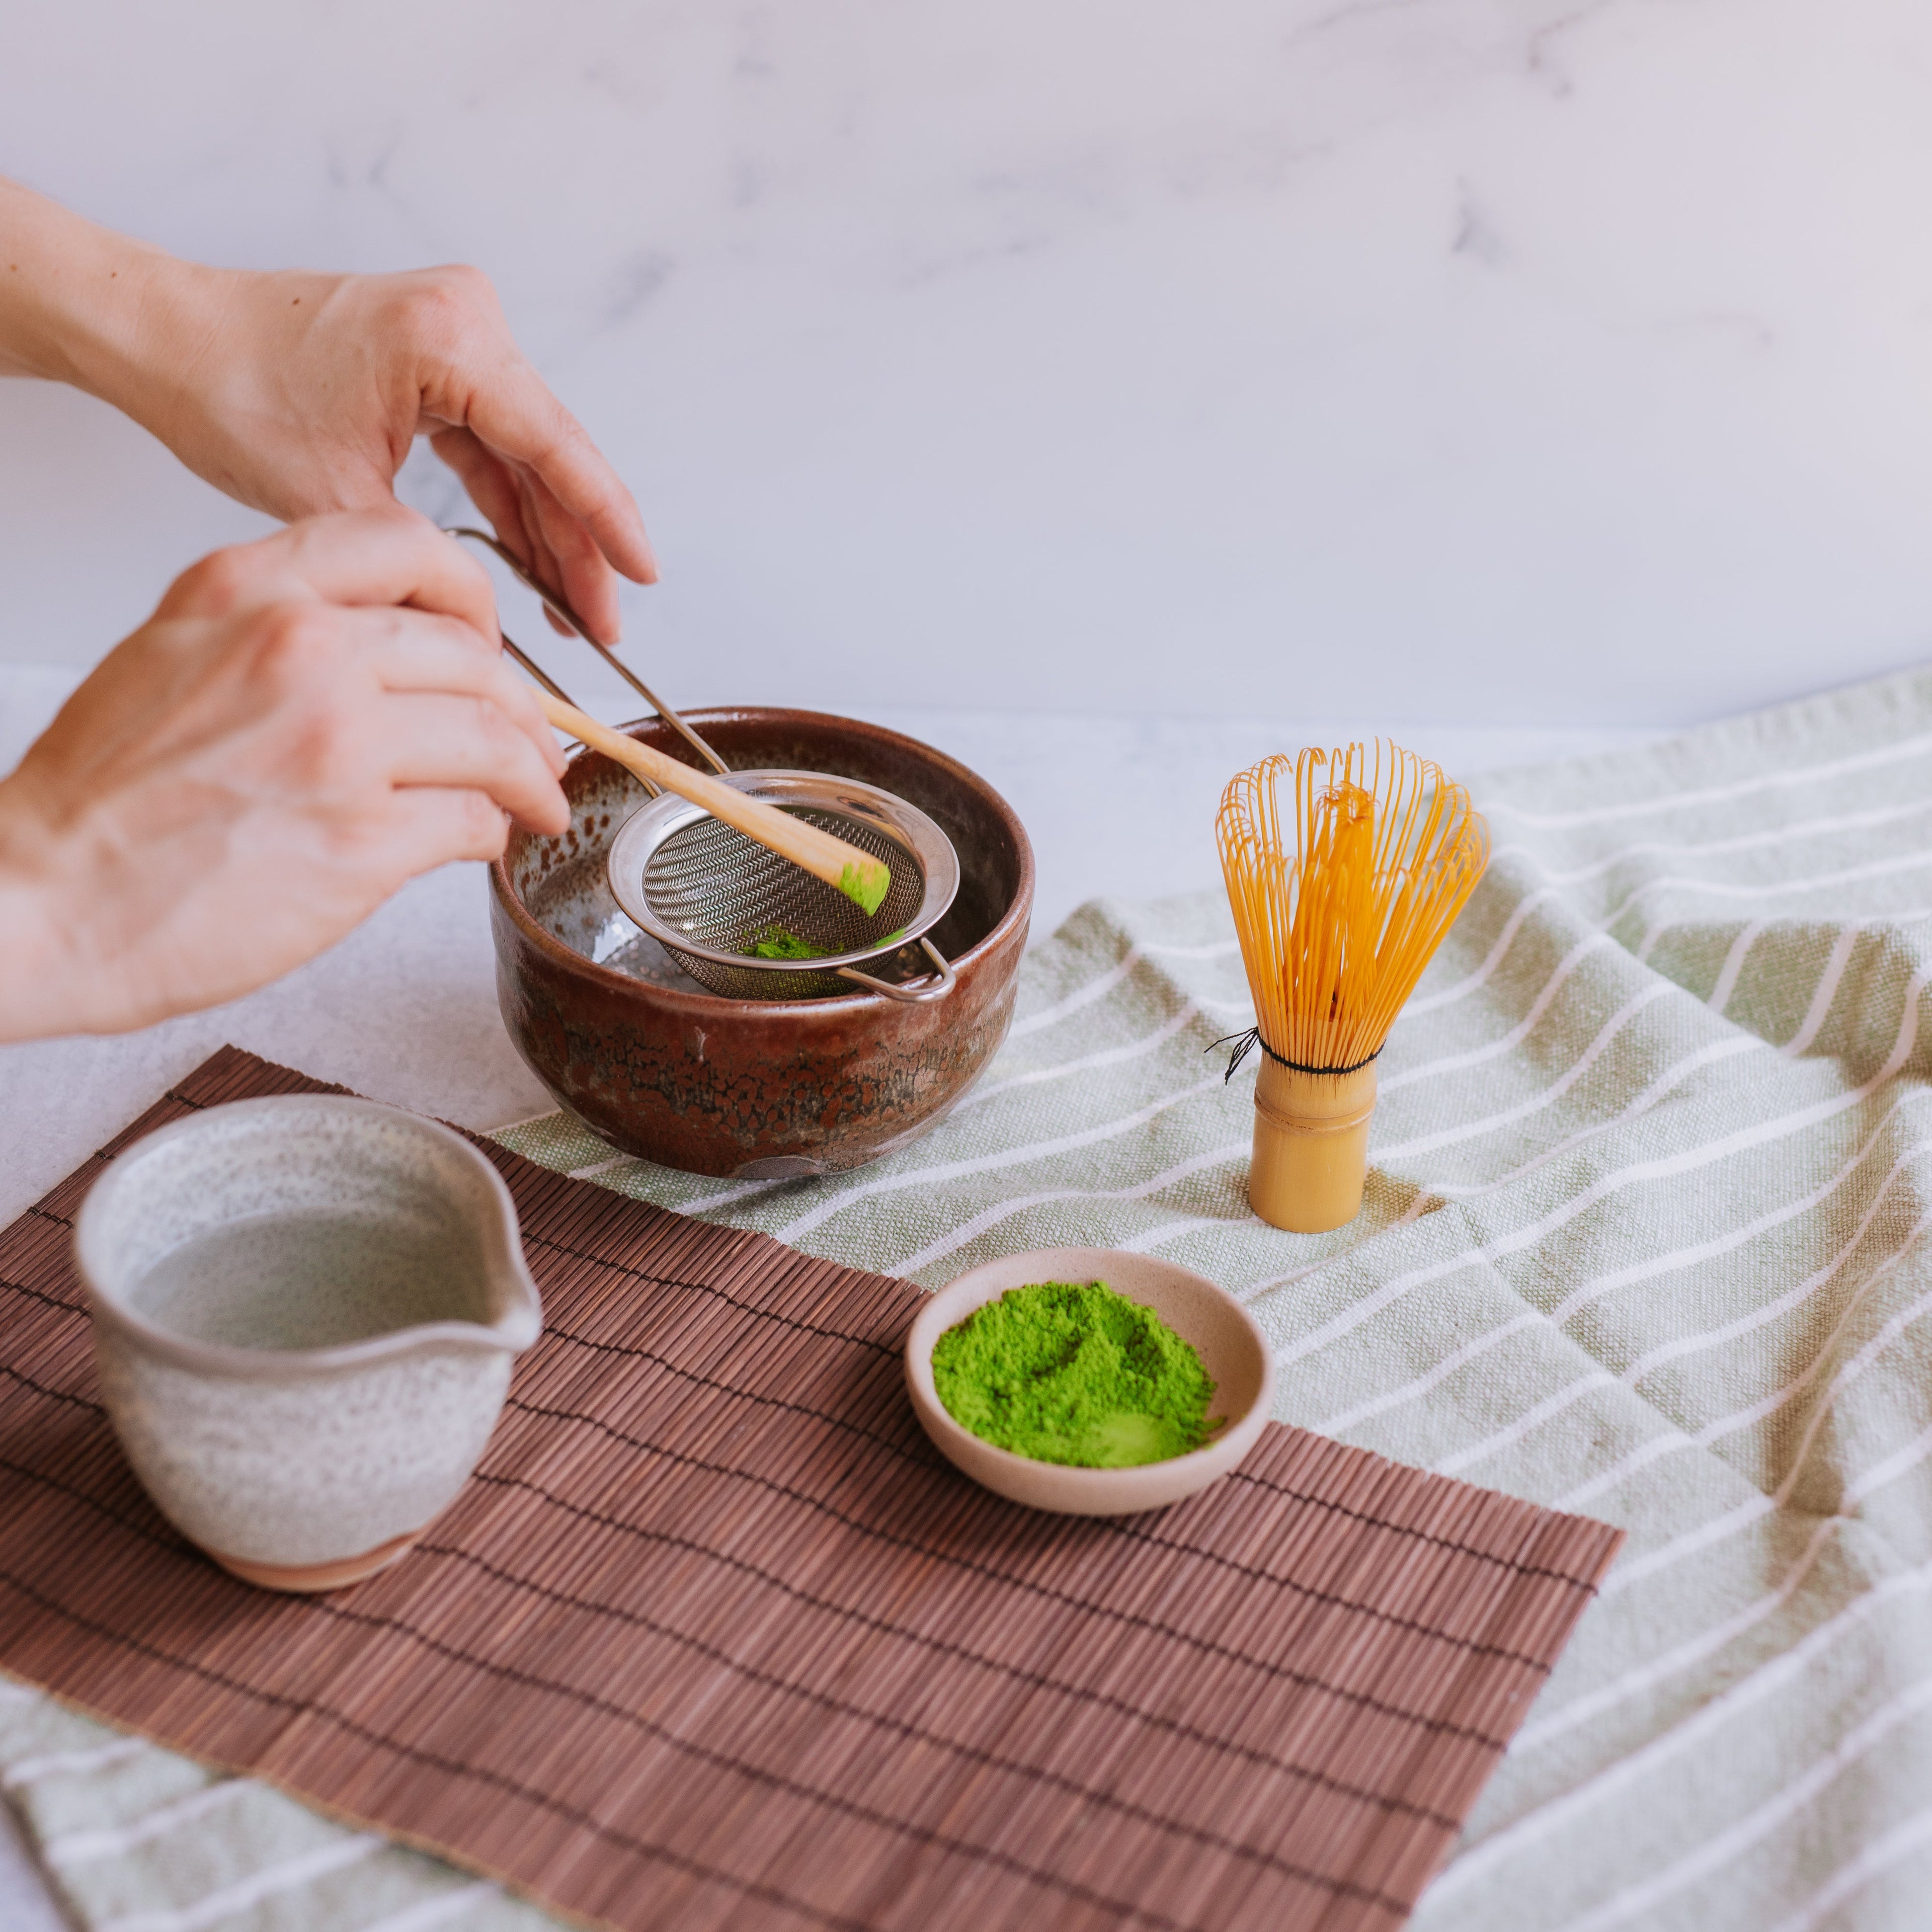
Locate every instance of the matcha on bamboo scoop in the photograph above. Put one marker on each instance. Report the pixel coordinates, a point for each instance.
(1071, 1372)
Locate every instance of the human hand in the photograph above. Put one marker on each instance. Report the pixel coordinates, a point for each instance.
(301, 394)
(304, 724)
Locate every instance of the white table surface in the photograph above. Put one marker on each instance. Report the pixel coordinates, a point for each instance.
(404, 1010)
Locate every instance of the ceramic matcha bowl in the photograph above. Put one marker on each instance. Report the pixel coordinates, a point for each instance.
(1231, 1347)
(658, 1067)
(305, 1311)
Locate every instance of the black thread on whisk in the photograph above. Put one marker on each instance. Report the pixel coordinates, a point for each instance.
(1247, 1042)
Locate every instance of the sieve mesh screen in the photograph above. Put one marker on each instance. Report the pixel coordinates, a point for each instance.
(728, 891)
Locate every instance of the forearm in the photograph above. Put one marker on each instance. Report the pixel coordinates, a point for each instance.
(80, 304)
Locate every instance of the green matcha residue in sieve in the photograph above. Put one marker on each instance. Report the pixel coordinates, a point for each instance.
(1072, 1372)
(780, 942)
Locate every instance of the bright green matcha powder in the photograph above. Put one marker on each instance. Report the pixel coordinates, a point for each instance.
(1070, 1372)
(780, 942)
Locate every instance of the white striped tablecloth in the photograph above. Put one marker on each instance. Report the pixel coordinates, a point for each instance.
(1645, 1236)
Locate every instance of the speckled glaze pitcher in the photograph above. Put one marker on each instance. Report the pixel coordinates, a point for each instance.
(305, 1313)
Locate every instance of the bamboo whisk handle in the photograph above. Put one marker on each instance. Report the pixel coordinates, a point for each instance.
(1311, 1159)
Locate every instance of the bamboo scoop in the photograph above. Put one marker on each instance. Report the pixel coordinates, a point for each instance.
(863, 879)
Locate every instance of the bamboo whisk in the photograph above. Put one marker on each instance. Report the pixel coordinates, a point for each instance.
(1338, 914)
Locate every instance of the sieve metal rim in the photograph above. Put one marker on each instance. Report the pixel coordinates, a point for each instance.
(658, 819)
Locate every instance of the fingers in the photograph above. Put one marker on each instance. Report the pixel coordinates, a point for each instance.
(517, 417)
(451, 717)
(542, 563)
(416, 652)
(386, 555)
(491, 484)
(589, 585)
(469, 373)
(426, 826)
(437, 739)
(552, 544)
(246, 778)
(350, 704)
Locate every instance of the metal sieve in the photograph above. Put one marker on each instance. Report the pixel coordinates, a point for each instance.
(708, 895)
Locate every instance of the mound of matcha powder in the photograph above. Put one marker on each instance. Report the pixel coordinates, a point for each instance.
(1070, 1372)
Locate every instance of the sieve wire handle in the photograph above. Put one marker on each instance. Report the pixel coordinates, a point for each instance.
(913, 992)
(553, 603)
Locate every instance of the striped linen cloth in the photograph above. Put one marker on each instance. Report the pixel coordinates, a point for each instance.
(1644, 1238)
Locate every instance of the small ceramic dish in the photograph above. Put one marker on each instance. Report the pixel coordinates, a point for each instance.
(1231, 1348)
(305, 1311)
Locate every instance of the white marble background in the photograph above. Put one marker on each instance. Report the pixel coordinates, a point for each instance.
(1486, 361)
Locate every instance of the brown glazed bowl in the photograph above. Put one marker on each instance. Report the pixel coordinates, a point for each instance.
(657, 1066)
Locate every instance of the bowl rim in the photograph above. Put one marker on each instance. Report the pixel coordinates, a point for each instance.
(517, 1329)
(834, 1006)
(1189, 1473)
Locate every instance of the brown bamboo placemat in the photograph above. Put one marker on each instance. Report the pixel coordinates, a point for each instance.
(716, 1639)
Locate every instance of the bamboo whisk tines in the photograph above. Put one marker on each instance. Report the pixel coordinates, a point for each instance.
(1338, 914)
